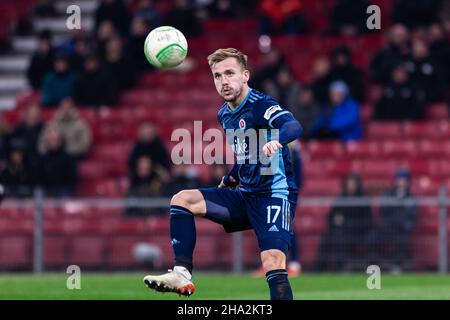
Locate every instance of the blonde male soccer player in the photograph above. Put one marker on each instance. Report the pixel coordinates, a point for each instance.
(248, 197)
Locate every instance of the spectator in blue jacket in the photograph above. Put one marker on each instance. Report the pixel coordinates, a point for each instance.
(59, 83)
(341, 120)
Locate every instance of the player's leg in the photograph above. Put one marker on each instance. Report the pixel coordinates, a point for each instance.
(274, 264)
(183, 207)
(272, 220)
(223, 206)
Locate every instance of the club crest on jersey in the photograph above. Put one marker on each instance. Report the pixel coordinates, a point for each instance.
(271, 110)
(242, 124)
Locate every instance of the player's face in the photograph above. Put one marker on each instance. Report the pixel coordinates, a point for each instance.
(230, 80)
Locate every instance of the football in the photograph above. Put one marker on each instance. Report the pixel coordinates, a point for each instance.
(165, 47)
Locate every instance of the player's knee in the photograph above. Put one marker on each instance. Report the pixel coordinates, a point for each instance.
(185, 199)
(273, 259)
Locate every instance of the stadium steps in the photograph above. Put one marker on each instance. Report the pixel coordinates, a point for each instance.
(58, 25)
(86, 6)
(14, 63)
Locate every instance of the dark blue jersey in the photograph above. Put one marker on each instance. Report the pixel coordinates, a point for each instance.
(261, 115)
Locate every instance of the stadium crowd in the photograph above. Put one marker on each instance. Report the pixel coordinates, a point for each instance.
(92, 70)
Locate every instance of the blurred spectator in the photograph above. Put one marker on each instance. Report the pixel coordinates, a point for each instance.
(5, 133)
(306, 109)
(397, 51)
(285, 89)
(415, 13)
(146, 181)
(149, 144)
(59, 83)
(342, 119)
(45, 9)
(425, 73)
(95, 86)
(57, 172)
(41, 61)
(135, 43)
(147, 11)
(439, 47)
(349, 17)
(217, 172)
(116, 12)
(105, 32)
(118, 64)
(281, 16)
(74, 130)
(343, 69)
(346, 228)
(321, 79)
(182, 16)
(389, 238)
(26, 134)
(80, 52)
(67, 46)
(183, 177)
(272, 62)
(401, 99)
(16, 177)
(223, 9)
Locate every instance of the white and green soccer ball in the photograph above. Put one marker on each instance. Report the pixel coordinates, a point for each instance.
(165, 47)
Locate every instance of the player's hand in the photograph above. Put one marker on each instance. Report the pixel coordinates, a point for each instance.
(232, 180)
(271, 148)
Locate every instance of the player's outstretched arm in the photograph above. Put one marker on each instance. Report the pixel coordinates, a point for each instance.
(289, 130)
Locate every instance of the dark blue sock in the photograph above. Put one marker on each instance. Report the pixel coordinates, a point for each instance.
(280, 289)
(183, 235)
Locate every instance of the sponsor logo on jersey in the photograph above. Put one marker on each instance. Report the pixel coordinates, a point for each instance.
(270, 111)
(242, 124)
(274, 228)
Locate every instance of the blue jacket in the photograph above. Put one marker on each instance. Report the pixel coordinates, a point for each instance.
(343, 119)
(57, 87)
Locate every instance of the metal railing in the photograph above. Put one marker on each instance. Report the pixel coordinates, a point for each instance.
(38, 203)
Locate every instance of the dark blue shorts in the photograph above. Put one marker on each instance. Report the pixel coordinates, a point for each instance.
(270, 217)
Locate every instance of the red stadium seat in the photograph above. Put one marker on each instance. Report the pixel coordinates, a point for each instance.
(55, 249)
(15, 252)
(399, 149)
(311, 220)
(428, 220)
(108, 151)
(437, 111)
(327, 149)
(321, 187)
(425, 186)
(362, 149)
(434, 149)
(86, 251)
(428, 130)
(424, 250)
(376, 168)
(383, 130)
(23, 226)
(92, 169)
(119, 251)
(309, 247)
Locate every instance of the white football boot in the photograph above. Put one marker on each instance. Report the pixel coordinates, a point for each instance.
(173, 281)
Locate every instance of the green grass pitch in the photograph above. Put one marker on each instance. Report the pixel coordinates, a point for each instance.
(224, 286)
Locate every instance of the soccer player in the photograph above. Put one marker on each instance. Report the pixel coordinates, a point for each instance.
(247, 198)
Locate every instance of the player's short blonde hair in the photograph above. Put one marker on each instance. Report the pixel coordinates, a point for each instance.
(222, 54)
